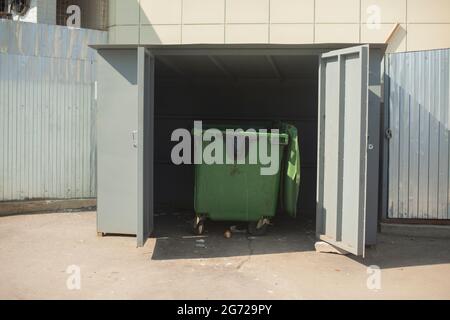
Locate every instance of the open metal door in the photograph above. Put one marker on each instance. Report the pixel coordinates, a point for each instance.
(342, 150)
(146, 84)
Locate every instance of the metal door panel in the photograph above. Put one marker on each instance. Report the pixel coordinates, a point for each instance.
(117, 153)
(146, 83)
(342, 152)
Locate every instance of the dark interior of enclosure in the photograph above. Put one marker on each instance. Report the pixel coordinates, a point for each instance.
(232, 89)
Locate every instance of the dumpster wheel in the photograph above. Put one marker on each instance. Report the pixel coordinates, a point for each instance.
(258, 228)
(199, 225)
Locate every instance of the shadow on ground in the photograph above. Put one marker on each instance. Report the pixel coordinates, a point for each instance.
(175, 240)
(393, 251)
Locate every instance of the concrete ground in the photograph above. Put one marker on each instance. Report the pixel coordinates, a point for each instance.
(37, 250)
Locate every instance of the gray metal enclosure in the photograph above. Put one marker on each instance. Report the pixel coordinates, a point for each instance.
(418, 103)
(140, 104)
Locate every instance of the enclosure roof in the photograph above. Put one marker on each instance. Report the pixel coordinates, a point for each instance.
(322, 46)
(236, 61)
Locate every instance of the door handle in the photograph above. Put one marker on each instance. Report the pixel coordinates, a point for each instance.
(134, 138)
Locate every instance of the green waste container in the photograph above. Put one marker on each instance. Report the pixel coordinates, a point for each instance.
(290, 186)
(238, 191)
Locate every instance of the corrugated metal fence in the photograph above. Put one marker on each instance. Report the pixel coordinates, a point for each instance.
(419, 121)
(47, 111)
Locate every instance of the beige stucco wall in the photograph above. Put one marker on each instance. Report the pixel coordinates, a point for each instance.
(424, 24)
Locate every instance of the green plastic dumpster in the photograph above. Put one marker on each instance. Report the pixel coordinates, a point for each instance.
(290, 186)
(238, 191)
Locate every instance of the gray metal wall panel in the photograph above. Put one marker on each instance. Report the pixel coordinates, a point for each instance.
(117, 129)
(414, 122)
(419, 148)
(374, 151)
(331, 159)
(393, 143)
(43, 40)
(424, 137)
(146, 90)
(47, 110)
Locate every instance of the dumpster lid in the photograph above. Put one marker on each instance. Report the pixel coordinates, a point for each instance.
(291, 172)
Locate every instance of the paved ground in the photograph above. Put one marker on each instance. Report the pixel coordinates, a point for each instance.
(36, 250)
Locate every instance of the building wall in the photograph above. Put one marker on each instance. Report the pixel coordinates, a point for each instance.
(93, 13)
(41, 11)
(424, 24)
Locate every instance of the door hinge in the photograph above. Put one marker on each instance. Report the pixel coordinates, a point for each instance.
(388, 134)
